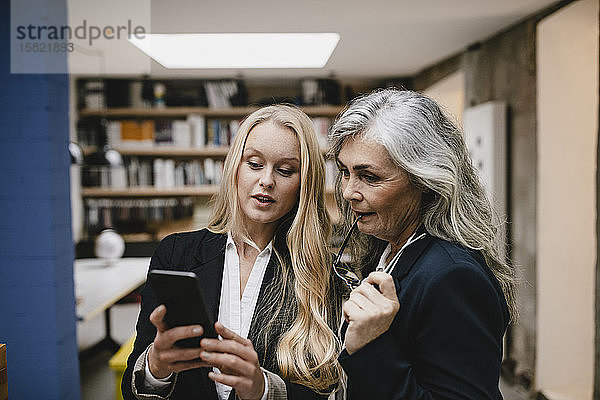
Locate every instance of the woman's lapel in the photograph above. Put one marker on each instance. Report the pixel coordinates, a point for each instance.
(210, 258)
(409, 258)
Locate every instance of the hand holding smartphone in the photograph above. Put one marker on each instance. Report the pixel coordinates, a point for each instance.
(180, 292)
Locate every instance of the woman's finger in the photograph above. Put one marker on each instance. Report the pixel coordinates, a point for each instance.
(167, 339)
(231, 347)
(229, 380)
(164, 358)
(227, 333)
(386, 284)
(173, 355)
(245, 387)
(180, 366)
(230, 363)
(369, 291)
(352, 311)
(157, 318)
(369, 288)
(363, 301)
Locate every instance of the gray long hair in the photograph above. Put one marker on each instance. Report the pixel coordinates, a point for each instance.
(425, 143)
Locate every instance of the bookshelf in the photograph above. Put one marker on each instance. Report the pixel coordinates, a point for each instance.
(143, 208)
(152, 151)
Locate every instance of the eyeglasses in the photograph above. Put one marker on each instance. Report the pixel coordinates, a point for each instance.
(343, 272)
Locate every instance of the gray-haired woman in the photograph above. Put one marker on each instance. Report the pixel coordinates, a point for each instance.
(427, 321)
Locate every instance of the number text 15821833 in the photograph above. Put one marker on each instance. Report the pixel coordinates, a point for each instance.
(35, 47)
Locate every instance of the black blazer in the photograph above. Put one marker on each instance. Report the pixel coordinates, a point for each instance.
(446, 340)
(202, 252)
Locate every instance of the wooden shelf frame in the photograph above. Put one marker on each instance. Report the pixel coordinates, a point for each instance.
(151, 191)
(230, 112)
(168, 151)
(173, 152)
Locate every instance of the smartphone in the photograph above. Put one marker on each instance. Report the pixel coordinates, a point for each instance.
(180, 292)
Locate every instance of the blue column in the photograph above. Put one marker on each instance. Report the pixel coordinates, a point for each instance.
(37, 302)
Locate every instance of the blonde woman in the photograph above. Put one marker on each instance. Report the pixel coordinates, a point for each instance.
(266, 275)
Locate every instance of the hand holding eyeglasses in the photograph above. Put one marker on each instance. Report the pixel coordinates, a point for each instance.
(370, 311)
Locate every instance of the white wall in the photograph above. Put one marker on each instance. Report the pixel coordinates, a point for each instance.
(567, 62)
(450, 93)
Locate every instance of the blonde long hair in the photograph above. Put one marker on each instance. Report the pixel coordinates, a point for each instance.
(301, 293)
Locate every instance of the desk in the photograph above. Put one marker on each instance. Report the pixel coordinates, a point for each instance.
(99, 285)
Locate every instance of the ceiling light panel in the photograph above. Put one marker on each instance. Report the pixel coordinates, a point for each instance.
(238, 50)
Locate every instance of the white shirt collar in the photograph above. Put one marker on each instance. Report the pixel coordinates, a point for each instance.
(389, 267)
(266, 251)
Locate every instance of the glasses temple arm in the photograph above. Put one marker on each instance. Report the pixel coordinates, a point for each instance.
(346, 239)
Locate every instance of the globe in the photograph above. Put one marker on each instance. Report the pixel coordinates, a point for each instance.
(109, 245)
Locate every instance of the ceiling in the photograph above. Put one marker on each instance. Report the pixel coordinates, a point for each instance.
(379, 38)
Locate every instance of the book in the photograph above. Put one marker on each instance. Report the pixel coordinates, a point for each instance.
(182, 133)
(234, 125)
(137, 133)
(163, 133)
(209, 171)
(113, 134)
(159, 173)
(169, 174)
(321, 125)
(93, 95)
(198, 130)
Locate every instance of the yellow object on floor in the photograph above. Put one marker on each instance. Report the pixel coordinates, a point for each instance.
(3, 376)
(118, 363)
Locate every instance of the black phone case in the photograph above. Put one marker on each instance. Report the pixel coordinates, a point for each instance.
(180, 292)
